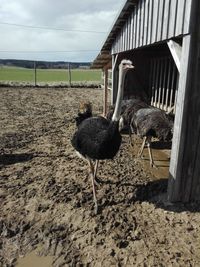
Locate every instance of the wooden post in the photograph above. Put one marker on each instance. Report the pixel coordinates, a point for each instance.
(105, 95)
(35, 73)
(168, 85)
(160, 83)
(153, 81)
(69, 73)
(158, 64)
(163, 95)
(184, 182)
(172, 86)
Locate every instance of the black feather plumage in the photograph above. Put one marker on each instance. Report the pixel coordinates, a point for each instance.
(152, 122)
(97, 138)
(82, 116)
(131, 108)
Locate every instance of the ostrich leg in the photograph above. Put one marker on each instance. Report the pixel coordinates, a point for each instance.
(142, 147)
(130, 131)
(97, 181)
(150, 152)
(93, 185)
(95, 168)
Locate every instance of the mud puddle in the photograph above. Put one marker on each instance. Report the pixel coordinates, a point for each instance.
(34, 260)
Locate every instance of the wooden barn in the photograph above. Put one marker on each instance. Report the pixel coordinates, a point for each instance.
(162, 38)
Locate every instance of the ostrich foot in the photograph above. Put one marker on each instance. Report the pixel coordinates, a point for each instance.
(131, 143)
(153, 165)
(97, 181)
(95, 208)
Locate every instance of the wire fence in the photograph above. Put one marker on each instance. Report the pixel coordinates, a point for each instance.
(36, 76)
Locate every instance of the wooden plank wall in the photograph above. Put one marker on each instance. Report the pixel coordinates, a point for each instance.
(184, 182)
(153, 21)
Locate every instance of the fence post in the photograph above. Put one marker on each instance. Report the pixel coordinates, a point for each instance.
(35, 73)
(69, 71)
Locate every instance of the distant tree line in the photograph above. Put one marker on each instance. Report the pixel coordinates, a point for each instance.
(43, 64)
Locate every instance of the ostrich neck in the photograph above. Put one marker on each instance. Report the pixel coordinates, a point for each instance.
(117, 111)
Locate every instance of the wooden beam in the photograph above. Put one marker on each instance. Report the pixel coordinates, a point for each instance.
(108, 65)
(175, 50)
(114, 79)
(177, 144)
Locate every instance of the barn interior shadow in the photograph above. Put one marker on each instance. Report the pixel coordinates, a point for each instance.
(161, 145)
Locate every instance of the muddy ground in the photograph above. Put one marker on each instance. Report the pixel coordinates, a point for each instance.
(46, 196)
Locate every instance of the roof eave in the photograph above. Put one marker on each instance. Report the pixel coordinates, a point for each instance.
(118, 24)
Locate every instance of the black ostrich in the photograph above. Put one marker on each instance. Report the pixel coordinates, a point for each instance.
(130, 109)
(98, 138)
(151, 122)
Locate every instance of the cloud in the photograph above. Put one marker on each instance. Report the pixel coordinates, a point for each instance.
(87, 15)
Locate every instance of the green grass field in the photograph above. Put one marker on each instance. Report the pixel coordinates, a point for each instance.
(48, 75)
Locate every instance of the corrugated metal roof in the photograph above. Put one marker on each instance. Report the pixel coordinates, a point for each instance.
(104, 56)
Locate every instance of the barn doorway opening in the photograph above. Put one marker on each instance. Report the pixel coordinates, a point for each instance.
(155, 80)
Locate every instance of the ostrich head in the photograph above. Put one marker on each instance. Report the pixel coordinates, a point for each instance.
(125, 65)
(85, 107)
(84, 112)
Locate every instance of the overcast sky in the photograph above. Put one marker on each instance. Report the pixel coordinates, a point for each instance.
(85, 25)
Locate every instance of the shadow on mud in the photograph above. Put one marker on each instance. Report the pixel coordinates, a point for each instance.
(149, 191)
(156, 192)
(9, 159)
